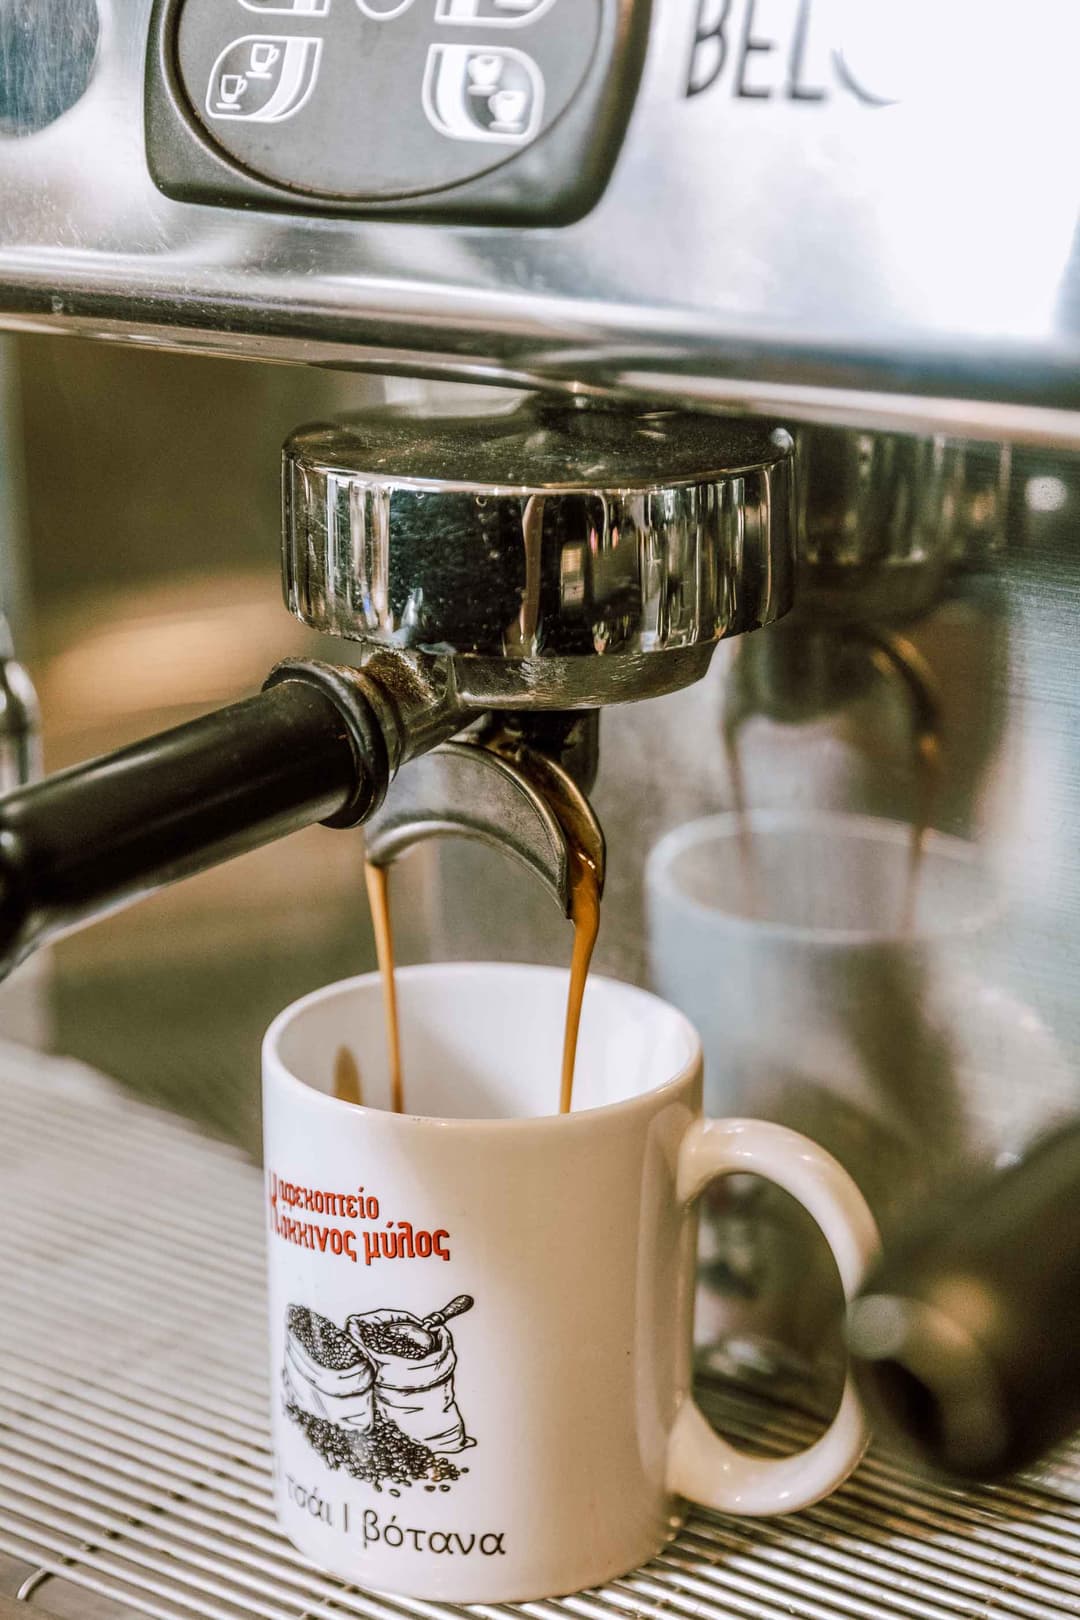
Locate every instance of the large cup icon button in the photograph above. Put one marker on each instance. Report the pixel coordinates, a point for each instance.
(483, 95)
(263, 78)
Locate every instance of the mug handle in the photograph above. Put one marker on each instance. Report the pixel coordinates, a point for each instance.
(701, 1465)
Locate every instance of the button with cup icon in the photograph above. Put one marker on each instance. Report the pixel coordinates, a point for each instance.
(288, 8)
(407, 108)
(480, 94)
(384, 10)
(264, 79)
(499, 13)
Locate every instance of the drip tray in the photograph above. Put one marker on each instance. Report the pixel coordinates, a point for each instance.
(134, 1460)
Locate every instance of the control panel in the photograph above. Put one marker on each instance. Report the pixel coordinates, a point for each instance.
(458, 110)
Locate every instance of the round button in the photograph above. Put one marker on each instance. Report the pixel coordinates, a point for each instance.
(384, 10)
(48, 49)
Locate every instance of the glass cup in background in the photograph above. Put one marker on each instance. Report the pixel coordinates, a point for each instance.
(782, 936)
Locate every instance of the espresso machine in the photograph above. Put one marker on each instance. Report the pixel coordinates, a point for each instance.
(722, 489)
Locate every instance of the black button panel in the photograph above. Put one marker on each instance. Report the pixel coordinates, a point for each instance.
(400, 105)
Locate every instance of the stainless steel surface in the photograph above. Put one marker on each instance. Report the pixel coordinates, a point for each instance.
(963, 1063)
(821, 210)
(48, 52)
(884, 518)
(559, 556)
(466, 789)
(886, 521)
(14, 536)
(136, 1476)
(23, 1001)
(20, 722)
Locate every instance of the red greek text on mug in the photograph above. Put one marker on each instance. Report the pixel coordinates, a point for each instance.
(480, 1312)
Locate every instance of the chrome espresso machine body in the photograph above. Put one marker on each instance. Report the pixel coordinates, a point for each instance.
(742, 341)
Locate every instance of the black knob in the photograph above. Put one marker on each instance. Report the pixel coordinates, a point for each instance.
(967, 1342)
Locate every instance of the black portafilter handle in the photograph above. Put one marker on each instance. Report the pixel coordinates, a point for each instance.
(966, 1343)
(318, 744)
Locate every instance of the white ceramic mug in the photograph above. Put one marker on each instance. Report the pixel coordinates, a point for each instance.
(480, 1312)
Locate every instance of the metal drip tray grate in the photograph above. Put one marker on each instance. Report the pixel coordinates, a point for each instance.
(134, 1469)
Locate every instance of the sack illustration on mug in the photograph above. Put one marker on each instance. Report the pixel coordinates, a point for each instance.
(377, 1397)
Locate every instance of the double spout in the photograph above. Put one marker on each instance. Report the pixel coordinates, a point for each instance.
(514, 785)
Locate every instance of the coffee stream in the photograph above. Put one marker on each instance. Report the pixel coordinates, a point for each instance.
(584, 880)
(584, 884)
(744, 832)
(378, 888)
(585, 916)
(898, 658)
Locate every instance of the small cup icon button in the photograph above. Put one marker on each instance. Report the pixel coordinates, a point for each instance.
(263, 79)
(483, 95)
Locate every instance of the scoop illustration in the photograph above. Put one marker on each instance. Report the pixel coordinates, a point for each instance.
(404, 1335)
(415, 1363)
(263, 78)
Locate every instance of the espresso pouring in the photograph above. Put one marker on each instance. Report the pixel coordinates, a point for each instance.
(378, 888)
(584, 916)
